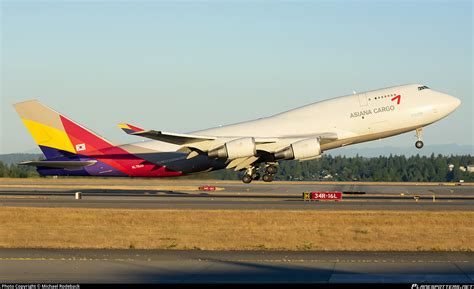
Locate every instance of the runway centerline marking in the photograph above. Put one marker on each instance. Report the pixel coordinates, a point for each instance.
(242, 260)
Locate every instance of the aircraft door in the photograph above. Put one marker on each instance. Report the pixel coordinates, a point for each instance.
(363, 99)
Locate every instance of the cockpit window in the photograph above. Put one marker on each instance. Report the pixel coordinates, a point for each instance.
(423, 87)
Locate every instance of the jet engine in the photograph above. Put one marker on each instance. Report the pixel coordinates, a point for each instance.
(238, 148)
(300, 150)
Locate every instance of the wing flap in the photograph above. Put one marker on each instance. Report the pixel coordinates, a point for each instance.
(241, 163)
(247, 162)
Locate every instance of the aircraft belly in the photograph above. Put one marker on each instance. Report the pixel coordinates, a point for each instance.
(197, 164)
(367, 137)
(378, 126)
(177, 161)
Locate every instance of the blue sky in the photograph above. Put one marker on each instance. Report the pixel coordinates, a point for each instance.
(184, 66)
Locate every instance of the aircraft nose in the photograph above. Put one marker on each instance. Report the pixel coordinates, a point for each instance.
(448, 103)
(457, 102)
(453, 102)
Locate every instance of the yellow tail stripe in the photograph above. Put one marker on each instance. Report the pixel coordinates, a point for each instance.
(48, 136)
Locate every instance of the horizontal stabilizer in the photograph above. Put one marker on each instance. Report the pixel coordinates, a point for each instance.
(59, 164)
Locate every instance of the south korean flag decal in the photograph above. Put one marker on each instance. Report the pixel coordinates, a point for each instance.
(80, 147)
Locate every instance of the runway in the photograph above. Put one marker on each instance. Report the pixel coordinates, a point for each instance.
(195, 266)
(159, 266)
(120, 193)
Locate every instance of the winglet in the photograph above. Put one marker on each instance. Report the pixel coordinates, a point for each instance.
(129, 129)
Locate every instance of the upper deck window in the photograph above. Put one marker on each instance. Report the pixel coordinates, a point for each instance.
(423, 87)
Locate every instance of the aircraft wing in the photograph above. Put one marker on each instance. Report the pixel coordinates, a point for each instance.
(179, 138)
(189, 139)
(196, 144)
(169, 137)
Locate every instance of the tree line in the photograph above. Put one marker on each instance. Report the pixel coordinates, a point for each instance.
(16, 171)
(393, 168)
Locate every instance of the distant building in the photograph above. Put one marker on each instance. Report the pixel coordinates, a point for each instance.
(470, 168)
(462, 168)
(450, 167)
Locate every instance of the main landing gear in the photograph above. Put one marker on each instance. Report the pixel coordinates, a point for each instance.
(252, 173)
(419, 142)
(247, 179)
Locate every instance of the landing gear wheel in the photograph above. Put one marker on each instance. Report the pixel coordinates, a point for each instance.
(271, 169)
(267, 178)
(419, 144)
(247, 179)
(256, 176)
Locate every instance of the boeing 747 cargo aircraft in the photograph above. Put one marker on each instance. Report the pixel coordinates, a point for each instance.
(254, 147)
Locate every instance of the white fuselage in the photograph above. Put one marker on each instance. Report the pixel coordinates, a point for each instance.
(354, 118)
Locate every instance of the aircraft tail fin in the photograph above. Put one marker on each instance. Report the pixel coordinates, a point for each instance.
(55, 134)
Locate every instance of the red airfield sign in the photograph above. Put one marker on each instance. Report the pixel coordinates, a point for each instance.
(322, 196)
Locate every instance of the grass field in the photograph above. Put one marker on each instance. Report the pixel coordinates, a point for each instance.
(24, 227)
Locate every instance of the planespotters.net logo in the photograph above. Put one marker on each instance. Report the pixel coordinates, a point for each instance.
(434, 286)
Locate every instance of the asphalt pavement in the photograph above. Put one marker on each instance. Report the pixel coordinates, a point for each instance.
(169, 266)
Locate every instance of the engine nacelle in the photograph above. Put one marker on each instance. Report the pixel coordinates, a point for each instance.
(238, 148)
(304, 149)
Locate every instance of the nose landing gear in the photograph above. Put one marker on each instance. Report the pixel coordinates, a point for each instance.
(419, 142)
